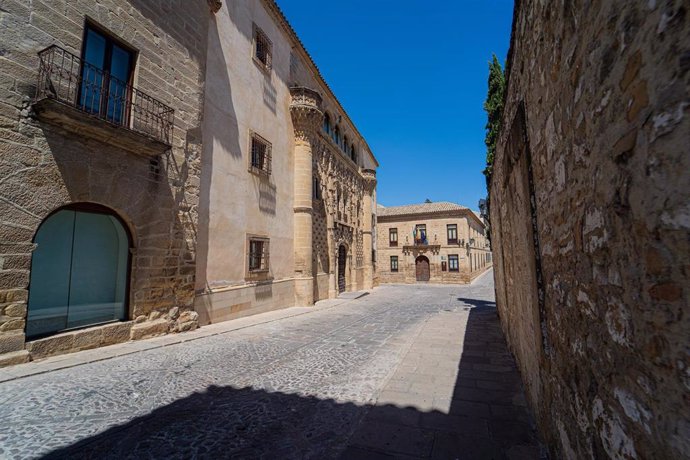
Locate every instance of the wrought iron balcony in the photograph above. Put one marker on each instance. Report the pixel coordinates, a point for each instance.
(70, 81)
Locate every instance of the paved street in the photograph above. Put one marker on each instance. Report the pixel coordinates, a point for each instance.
(405, 372)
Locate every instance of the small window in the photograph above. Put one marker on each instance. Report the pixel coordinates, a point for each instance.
(260, 154)
(258, 255)
(453, 265)
(394, 263)
(353, 154)
(452, 234)
(345, 144)
(336, 135)
(327, 124)
(393, 236)
(316, 189)
(262, 48)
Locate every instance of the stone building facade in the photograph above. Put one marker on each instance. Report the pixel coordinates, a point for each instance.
(285, 173)
(590, 224)
(100, 157)
(430, 242)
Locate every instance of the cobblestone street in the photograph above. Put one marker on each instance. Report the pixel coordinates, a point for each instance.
(415, 371)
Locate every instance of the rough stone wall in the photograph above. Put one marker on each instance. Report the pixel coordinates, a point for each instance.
(591, 223)
(43, 167)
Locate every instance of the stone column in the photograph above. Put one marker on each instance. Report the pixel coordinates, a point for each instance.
(369, 176)
(305, 109)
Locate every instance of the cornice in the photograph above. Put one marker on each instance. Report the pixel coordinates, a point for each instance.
(274, 9)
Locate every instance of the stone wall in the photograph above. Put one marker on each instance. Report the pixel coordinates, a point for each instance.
(591, 223)
(44, 167)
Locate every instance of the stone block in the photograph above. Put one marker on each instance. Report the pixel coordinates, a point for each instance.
(88, 338)
(11, 341)
(17, 310)
(149, 329)
(11, 324)
(15, 357)
(116, 333)
(50, 346)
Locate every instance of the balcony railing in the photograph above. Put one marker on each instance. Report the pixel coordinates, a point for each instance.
(70, 80)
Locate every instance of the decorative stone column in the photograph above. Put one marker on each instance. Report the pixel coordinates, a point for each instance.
(305, 109)
(369, 176)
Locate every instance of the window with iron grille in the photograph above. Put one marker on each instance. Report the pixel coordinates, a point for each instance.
(393, 236)
(262, 47)
(260, 154)
(453, 265)
(452, 233)
(394, 263)
(258, 255)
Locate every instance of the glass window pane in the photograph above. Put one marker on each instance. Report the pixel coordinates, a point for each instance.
(92, 71)
(99, 270)
(120, 65)
(50, 274)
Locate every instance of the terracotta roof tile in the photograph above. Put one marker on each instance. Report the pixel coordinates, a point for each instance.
(422, 208)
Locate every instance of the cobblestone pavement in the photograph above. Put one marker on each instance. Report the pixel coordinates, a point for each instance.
(405, 372)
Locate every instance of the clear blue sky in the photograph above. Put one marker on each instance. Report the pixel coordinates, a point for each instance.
(412, 75)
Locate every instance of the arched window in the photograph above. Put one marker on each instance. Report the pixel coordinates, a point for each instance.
(353, 154)
(336, 135)
(327, 124)
(344, 146)
(79, 270)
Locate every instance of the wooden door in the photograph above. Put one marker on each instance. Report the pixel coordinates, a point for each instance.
(342, 260)
(422, 266)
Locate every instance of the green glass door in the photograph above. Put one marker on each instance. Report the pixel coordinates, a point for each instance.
(78, 272)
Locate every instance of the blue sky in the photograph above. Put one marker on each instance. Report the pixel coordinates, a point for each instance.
(412, 76)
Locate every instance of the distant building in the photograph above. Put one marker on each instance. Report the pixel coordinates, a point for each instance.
(430, 242)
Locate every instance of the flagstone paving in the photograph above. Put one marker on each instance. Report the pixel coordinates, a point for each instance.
(416, 371)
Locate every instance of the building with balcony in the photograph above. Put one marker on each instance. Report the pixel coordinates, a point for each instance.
(430, 242)
(165, 165)
(288, 182)
(100, 145)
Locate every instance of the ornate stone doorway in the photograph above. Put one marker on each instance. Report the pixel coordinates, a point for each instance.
(342, 262)
(422, 268)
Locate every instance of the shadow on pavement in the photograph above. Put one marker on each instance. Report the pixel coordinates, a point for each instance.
(486, 418)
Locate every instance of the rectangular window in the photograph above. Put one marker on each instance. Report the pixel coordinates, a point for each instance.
(394, 263)
(393, 236)
(315, 189)
(258, 255)
(452, 234)
(453, 265)
(260, 154)
(262, 48)
(106, 71)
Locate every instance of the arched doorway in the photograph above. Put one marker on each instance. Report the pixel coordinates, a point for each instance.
(342, 265)
(79, 270)
(422, 268)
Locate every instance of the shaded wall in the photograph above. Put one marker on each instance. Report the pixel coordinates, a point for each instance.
(591, 223)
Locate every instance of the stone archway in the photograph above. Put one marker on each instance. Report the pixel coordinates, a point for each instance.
(422, 269)
(79, 271)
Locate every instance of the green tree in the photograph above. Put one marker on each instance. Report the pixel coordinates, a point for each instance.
(494, 110)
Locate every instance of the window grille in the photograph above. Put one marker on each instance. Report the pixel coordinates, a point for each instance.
(393, 236)
(261, 154)
(258, 255)
(394, 263)
(452, 234)
(262, 47)
(453, 264)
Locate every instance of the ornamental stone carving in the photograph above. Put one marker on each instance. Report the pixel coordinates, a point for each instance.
(369, 179)
(305, 109)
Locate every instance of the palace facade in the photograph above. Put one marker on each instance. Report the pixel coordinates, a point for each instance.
(430, 242)
(165, 166)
